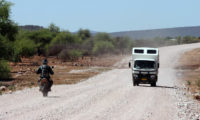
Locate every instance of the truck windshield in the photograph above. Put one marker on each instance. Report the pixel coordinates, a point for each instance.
(142, 64)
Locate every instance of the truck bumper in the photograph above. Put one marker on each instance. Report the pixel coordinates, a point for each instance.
(144, 79)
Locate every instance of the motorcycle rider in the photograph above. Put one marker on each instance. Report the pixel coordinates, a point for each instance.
(45, 71)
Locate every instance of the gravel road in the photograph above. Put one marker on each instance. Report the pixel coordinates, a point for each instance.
(107, 96)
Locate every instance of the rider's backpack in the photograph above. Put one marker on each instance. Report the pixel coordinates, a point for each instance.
(45, 72)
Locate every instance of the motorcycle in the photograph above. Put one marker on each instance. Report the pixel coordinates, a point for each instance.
(44, 87)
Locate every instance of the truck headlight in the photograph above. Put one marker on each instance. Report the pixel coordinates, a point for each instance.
(152, 76)
(136, 72)
(135, 75)
(152, 72)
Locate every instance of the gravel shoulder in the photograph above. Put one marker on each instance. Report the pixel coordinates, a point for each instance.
(106, 96)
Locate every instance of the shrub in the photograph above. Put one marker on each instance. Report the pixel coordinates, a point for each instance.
(84, 34)
(53, 28)
(56, 49)
(198, 82)
(123, 44)
(6, 48)
(41, 37)
(25, 47)
(188, 83)
(12, 87)
(102, 47)
(64, 55)
(74, 54)
(4, 70)
(63, 38)
(70, 54)
(103, 37)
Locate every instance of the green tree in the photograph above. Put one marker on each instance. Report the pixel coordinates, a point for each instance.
(84, 34)
(87, 46)
(63, 38)
(53, 28)
(102, 47)
(7, 27)
(190, 39)
(6, 48)
(25, 47)
(8, 31)
(179, 40)
(4, 70)
(123, 44)
(41, 38)
(103, 37)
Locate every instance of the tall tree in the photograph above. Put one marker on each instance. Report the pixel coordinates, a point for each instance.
(84, 34)
(7, 27)
(8, 31)
(53, 28)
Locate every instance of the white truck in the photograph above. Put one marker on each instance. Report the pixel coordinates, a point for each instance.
(144, 65)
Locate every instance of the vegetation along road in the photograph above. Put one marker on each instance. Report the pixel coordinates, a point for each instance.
(110, 95)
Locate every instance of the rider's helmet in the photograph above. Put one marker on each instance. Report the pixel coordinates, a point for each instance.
(45, 61)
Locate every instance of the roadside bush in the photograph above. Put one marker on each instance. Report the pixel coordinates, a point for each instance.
(41, 37)
(123, 44)
(70, 54)
(198, 82)
(189, 39)
(63, 38)
(84, 34)
(53, 28)
(74, 54)
(4, 70)
(103, 47)
(12, 87)
(87, 47)
(25, 47)
(64, 55)
(56, 49)
(188, 82)
(103, 37)
(6, 48)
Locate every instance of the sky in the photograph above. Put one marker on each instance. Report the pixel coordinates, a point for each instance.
(107, 15)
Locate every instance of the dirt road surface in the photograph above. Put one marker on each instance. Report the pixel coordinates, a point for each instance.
(107, 96)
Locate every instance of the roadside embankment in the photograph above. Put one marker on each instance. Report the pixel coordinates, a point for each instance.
(66, 72)
(189, 71)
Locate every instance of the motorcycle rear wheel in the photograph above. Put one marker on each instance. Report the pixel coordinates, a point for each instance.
(45, 93)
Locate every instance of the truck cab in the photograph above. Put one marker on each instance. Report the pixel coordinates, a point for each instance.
(144, 65)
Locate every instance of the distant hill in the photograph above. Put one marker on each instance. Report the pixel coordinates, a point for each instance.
(31, 27)
(168, 32)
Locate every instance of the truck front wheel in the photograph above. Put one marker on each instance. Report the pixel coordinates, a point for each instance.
(153, 84)
(135, 83)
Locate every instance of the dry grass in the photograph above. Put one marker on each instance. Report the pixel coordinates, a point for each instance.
(24, 73)
(190, 65)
